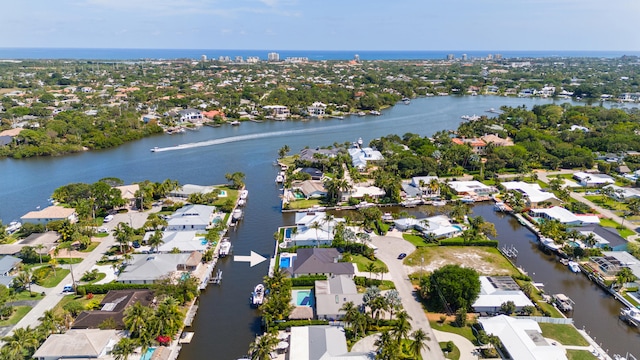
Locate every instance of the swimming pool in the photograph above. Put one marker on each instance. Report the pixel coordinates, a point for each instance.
(286, 260)
(303, 298)
(222, 193)
(457, 227)
(298, 196)
(147, 355)
(203, 241)
(287, 233)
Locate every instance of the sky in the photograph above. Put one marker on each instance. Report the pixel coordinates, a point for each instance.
(323, 24)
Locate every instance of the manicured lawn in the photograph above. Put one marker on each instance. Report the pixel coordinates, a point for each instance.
(24, 295)
(58, 309)
(363, 262)
(101, 235)
(465, 332)
(564, 333)
(100, 277)
(303, 204)
(606, 202)
(580, 355)
(18, 313)
(630, 299)
(53, 280)
(91, 247)
(231, 194)
(624, 232)
(416, 240)
(453, 355)
(66, 260)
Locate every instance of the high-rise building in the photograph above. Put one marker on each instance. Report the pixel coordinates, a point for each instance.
(239, 59)
(490, 57)
(273, 56)
(498, 56)
(204, 58)
(450, 57)
(356, 57)
(464, 57)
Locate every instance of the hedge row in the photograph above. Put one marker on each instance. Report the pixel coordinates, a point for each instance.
(307, 280)
(458, 242)
(290, 323)
(104, 288)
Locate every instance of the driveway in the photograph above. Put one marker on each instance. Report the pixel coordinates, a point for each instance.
(389, 247)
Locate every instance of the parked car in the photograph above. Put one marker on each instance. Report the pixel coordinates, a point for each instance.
(108, 218)
(135, 244)
(402, 256)
(102, 230)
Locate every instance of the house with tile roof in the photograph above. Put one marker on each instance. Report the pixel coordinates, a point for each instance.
(78, 344)
(320, 261)
(478, 146)
(149, 268)
(332, 294)
(113, 307)
(321, 342)
(50, 213)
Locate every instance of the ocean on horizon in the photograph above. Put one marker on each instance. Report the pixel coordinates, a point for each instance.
(317, 55)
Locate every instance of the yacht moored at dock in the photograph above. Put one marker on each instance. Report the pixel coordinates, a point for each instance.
(563, 302)
(574, 267)
(225, 248)
(237, 215)
(258, 295)
(244, 194)
(631, 315)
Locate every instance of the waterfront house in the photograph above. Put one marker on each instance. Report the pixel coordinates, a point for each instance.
(309, 154)
(113, 306)
(532, 193)
(307, 235)
(8, 263)
(593, 179)
(604, 237)
(128, 193)
(496, 140)
(359, 192)
(50, 213)
(522, 338)
(497, 290)
(471, 188)
(185, 190)
(320, 261)
(311, 189)
(332, 294)
(564, 216)
(435, 227)
(148, 268)
(78, 344)
(360, 156)
(424, 185)
(279, 112)
(478, 146)
(619, 260)
(314, 173)
(190, 115)
(192, 217)
(321, 342)
(317, 109)
(185, 241)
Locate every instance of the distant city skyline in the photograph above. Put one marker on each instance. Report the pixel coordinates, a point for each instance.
(323, 25)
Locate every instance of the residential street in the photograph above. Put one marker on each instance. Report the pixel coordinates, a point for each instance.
(388, 249)
(54, 295)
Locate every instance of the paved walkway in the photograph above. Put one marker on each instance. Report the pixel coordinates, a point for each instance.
(388, 249)
(466, 347)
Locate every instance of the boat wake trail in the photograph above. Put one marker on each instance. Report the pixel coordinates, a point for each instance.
(257, 136)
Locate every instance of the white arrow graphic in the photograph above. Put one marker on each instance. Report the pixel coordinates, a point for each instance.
(253, 259)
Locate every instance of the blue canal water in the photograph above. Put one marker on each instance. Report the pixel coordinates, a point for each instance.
(226, 323)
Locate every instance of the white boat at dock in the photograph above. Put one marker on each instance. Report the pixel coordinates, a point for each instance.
(225, 248)
(244, 194)
(406, 101)
(237, 215)
(242, 202)
(439, 203)
(574, 267)
(467, 200)
(550, 244)
(361, 113)
(631, 315)
(364, 204)
(279, 179)
(387, 217)
(473, 117)
(257, 297)
(13, 227)
(235, 123)
(375, 112)
(563, 302)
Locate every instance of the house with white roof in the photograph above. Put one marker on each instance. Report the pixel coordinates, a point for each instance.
(149, 268)
(277, 111)
(471, 188)
(360, 156)
(623, 193)
(311, 189)
(564, 216)
(593, 179)
(317, 109)
(187, 189)
(333, 293)
(437, 227)
(192, 217)
(50, 213)
(497, 290)
(423, 185)
(191, 115)
(532, 193)
(522, 338)
(78, 344)
(185, 241)
(324, 342)
(359, 192)
(305, 233)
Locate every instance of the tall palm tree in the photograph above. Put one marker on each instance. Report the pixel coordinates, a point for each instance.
(23, 341)
(24, 278)
(169, 316)
(39, 248)
(50, 322)
(135, 318)
(418, 343)
(402, 327)
(124, 348)
(155, 240)
(262, 346)
(316, 225)
(122, 233)
(371, 267)
(387, 348)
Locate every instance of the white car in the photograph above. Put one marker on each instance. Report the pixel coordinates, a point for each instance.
(108, 218)
(103, 230)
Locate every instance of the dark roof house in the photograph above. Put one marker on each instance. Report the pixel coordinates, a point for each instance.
(311, 261)
(113, 306)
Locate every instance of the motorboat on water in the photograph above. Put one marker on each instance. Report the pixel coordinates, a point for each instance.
(279, 179)
(242, 202)
(406, 100)
(375, 112)
(154, 149)
(13, 227)
(574, 266)
(257, 297)
(237, 214)
(364, 204)
(467, 200)
(244, 194)
(631, 315)
(225, 248)
(387, 217)
(563, 302)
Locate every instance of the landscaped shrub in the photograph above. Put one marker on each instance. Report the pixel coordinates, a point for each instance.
(307, 280)
(104, 288)
(460, 242)
(290, 323)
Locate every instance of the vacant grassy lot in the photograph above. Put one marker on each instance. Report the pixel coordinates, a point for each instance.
(564, 333)
(486, 260)
(18, 313)
(580, 355)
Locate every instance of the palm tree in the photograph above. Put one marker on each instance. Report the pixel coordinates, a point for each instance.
(387, 349)
(402, 327)
(262, 346)
(39, 248)
(316, 225)
(155, 221)
(169, 316)
(328, 220)
(23, 341)
(155, 240)
(371, 267)
(24, 278)
(122, 232)
(393, 300)
(418, 343)
(124, 348)
(50, 321)
(135, 318)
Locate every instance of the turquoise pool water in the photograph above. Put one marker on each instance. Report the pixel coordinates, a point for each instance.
(148, 354)
(287, 233)
(203, 241)
(574, 244)
(298, 195)
(457, 227)
(222, 193)
(303, 298)
(286, 262)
